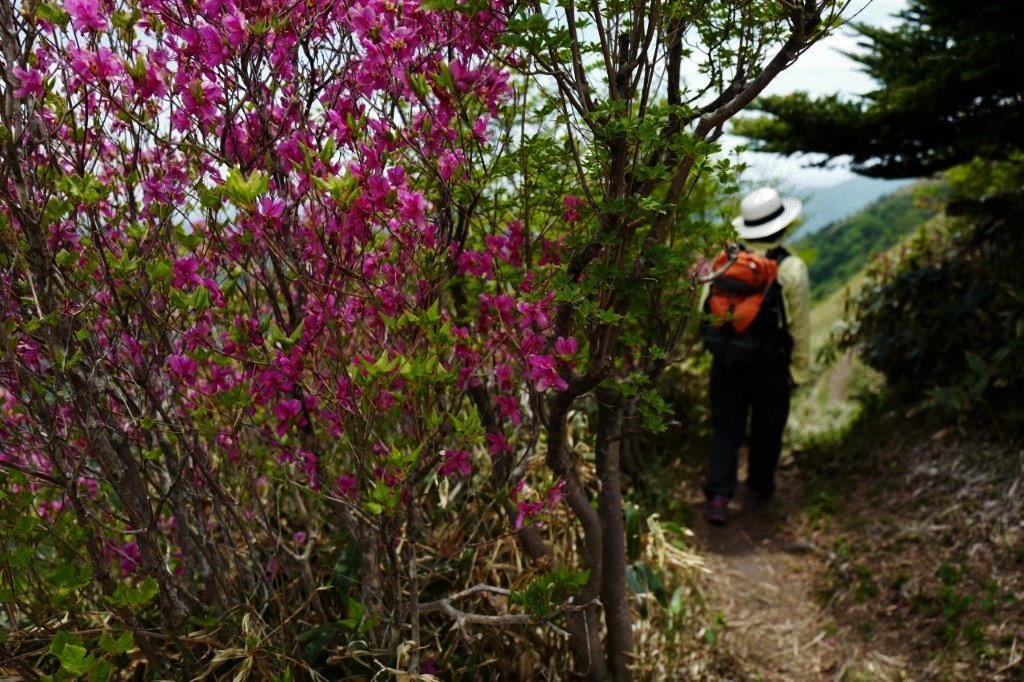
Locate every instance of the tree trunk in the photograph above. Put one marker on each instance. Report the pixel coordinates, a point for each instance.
(584, 626)
(619, 644)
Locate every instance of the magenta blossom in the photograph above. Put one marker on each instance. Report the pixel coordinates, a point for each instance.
(129, 557)
(346, 485)
(572, 205)
(287, 409)
(543, 373)
(86, 15)
(186, 273)
(508, 408)
(184, 366)
(456, 461)
(527, 511)
(498, 444)
(566, 347)
(449, 162)
(235, 28)
(31, 83)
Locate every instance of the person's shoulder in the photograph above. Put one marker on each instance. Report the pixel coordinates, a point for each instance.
(792, 265)
(792, 255)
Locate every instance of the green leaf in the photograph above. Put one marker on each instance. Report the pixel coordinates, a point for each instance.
(74, 659)
(102, 671)
(159, 269)
(70, 577)
(979, 374)
(550, 590)
(356, 611)
(63, 639)
(200, 299)
(125, 595)
(438, 5)
(342, 190)
(245, 190)
(21, 555)
(65, 258)
(276, 337)
(51, 13)
(123, 644)
(209, 198)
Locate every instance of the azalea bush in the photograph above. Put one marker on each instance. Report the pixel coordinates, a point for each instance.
(228, 376)
(317, 353)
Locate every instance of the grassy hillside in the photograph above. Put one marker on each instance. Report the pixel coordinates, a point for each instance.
(838, 252)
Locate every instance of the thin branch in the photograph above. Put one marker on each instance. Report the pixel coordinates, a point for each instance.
(463, 618)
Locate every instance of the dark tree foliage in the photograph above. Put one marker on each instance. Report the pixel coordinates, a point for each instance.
(951, 89)
(947, 321)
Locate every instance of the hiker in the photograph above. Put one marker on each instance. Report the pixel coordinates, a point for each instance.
(754, 370)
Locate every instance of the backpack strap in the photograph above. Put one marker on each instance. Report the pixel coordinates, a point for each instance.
(778, 254)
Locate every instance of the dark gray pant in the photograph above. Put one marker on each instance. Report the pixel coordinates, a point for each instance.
(741, 394)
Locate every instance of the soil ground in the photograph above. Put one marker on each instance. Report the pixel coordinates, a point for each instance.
(895, 554)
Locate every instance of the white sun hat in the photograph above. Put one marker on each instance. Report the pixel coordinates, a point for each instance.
(763, 213)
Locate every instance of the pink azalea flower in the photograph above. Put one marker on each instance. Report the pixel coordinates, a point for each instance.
(508, 408)
(526, 511)
(448, 163)
(565, 347)
(517, 489)
(498, 444)
(346, 485)
(201, 100)
(235, 28)
(543, 373)
(556, 494)
(456, 461)
(412, 206)
(287, 409)
(572, 204)
(86, 15)
(480, 130)
(31, 83)
(185, 367)
(503, 374)
(129, 557)
(476, 264)
(307, 462)
(186, 273)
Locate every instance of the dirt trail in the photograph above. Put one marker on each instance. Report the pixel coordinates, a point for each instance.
(760, 580)
(839, 376)
(893, 556)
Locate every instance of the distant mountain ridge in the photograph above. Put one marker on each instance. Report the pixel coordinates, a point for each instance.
(825, 205)
(840, 250)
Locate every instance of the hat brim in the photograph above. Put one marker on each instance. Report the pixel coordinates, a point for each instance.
(790, 210)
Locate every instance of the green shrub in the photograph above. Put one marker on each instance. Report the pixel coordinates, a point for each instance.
(944, 318)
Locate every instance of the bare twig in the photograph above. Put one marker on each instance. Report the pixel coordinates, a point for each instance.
(463, 618)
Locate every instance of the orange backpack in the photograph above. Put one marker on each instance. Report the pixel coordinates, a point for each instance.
(745, 315)
(736, 294)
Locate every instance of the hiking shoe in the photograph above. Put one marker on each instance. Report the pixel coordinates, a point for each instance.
(716, 510)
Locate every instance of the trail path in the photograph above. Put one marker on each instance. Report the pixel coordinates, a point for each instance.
(760, 581)
(762, 573)
(895, 557)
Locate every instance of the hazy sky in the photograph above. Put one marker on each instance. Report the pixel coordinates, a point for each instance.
(822, 70)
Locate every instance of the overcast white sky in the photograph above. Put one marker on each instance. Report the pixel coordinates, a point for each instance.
(822, 70)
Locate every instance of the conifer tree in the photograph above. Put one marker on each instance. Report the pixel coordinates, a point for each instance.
(950, 89)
